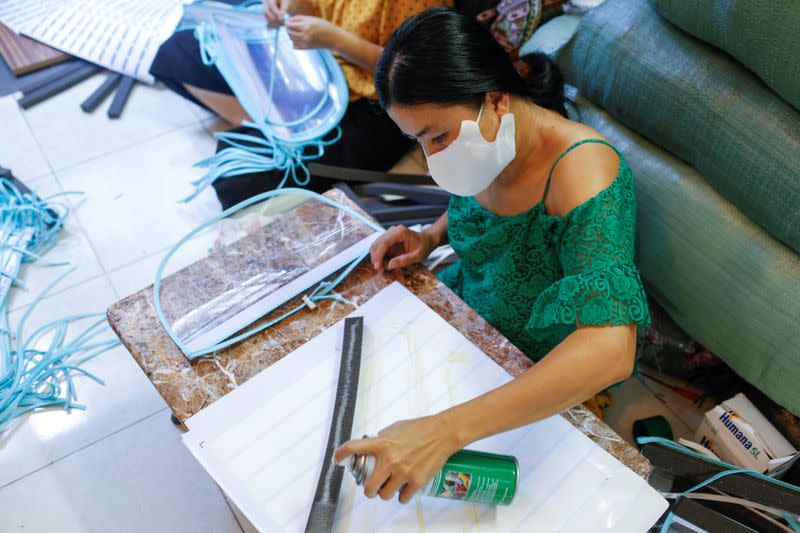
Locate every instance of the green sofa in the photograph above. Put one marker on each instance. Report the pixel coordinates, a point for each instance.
(715, 152)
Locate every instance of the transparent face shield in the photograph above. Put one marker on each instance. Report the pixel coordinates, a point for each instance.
(289, 245)
(296, 96)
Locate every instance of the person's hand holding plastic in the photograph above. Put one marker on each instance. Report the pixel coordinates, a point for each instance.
(310, 32)
(273, 13)
(275, 10)
(407, 455)
(400, 247)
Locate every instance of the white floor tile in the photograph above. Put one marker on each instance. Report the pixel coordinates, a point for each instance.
(215, 124)
(38, 439)
(136, 276)
(199, 111)
(68, 136)
(140, 479)
(131, 208)
(71, 246)
(19, 150)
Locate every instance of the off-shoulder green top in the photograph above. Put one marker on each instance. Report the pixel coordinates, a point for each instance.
(537, 277)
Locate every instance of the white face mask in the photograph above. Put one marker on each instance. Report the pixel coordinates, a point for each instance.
(471, 163)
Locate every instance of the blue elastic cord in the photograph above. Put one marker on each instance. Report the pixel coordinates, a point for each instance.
(731, 470)
(249, 154)
(208, 41)
(323, 291)
(261, 155)
(791, 520)
(32, 376)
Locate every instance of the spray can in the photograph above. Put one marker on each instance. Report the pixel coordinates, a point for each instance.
(467, 476)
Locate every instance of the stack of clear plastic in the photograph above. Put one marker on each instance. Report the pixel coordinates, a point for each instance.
(270, 249)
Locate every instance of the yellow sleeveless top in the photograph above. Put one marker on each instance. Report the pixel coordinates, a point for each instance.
(374, 21)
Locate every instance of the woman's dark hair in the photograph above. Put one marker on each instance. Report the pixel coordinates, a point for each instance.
(440, 56)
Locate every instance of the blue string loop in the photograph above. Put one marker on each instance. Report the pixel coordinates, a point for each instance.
(209, 44)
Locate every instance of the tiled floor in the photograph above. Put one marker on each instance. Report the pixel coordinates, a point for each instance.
(119, 465)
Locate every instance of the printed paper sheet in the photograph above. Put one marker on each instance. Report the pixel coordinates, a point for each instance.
(121, 35)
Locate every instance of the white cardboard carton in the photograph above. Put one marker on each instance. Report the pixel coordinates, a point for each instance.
(739, 434)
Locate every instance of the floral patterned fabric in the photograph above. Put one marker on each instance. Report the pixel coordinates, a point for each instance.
(536, 277)
(513, 21)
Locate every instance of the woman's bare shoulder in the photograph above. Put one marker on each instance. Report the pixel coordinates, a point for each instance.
(583, 171)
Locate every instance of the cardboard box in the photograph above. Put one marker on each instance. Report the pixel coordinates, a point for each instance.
(739, 434)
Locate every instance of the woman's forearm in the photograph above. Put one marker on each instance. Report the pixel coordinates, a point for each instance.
(299, 7)
(356, 50)
(438, 231)
(586, 362)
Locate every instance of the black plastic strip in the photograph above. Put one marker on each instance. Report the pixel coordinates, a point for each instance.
(101, 93)
(48, 76)
(366, 176)
(60, 85)
(121, 97)
(323, 509)
(707, 519)
(423, 195)
(742, 485)
(391, 214)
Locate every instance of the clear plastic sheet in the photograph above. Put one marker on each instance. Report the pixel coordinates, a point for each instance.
(298, 95)
(276, 259)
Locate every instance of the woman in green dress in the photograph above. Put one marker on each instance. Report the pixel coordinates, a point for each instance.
(542, 219)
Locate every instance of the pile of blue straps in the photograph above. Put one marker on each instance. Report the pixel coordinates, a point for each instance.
(37, 368)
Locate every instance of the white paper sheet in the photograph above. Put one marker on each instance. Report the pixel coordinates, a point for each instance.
(263, 442)
(121, 35)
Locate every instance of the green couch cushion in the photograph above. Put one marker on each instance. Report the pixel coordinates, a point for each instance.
(696, 102)
(764, 35)
(723, 279)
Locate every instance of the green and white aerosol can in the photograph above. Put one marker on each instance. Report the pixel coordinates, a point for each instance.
(467, 476)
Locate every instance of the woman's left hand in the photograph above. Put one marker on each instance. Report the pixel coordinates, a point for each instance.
(407, 454)
(310, 32)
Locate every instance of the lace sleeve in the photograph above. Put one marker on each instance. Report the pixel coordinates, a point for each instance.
(601, 286)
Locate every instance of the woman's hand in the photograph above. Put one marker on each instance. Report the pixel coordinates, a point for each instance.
(274, 10)
(400, 247)
(311, 32)
(407, 455)
(273, 13)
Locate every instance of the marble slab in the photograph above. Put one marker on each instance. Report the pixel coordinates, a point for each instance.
(189, 386)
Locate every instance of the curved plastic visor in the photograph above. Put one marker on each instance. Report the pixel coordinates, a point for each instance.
(297, 96)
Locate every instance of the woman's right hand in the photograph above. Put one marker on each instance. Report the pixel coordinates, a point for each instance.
(275, 10)
(273, 13)
(400, 247)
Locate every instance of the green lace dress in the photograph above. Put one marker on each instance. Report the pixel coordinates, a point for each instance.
(536, 277)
